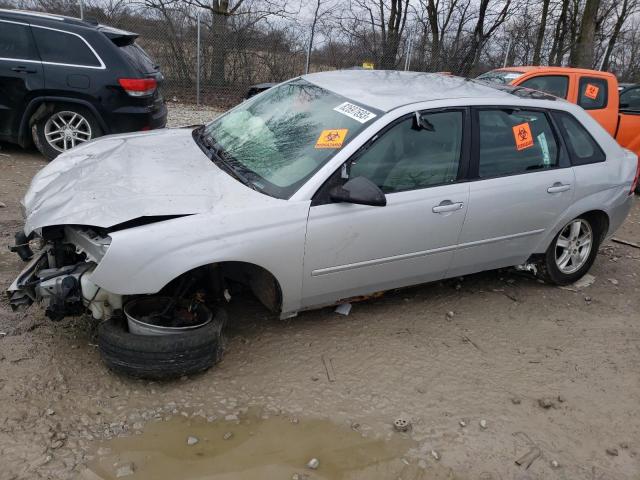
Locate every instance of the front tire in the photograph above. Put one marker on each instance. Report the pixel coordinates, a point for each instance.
(62, 128)
(572, 252)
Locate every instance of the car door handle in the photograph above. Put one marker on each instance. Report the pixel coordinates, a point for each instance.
(23, 69)
(558, 188)
(447, 206)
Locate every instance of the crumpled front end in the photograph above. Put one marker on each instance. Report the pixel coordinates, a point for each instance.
(58, 275)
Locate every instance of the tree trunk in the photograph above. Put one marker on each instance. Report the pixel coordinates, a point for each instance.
(541, 31)
(614, 35)
(219, 48)
(582, 51)
(432, 14)
(555, 57)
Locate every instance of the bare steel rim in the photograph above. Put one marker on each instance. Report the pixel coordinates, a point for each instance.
(64, 130)
(573, 246)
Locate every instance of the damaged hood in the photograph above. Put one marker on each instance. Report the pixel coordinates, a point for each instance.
(123, 177)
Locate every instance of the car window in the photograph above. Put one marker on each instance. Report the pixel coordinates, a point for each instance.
(556, 85)
(514, 142)
(16, 42)
(501, 77)
(407, 157)
(582, 146)
(592, 93)
(138, 58)
(630, 98)
(60, 47)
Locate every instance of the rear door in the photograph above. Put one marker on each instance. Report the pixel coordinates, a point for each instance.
(521, 183)
(353, 249)
(20, 75)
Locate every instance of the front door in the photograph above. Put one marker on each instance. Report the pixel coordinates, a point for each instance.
(20, 74)
(522, 184)
(355, 250)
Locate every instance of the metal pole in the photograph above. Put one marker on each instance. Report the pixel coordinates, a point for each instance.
(407, 61)
(506, 55)
(81, 9)
(198, 59)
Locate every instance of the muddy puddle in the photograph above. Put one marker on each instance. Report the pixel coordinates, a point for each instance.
(252, 448)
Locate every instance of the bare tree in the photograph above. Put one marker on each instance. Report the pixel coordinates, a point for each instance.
(582, 51)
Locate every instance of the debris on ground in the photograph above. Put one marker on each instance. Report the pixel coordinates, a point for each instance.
(554, 464)
(343, 309)
(483, 424)
(613, 281)
(626, 242)
(435, 454)
(516, 400)
(299, 476)
(328, 368)
(528, 458)
(584, 282)
(547, 403)
(612, 451)
(450, 315)
(227, 436)
(125, 469)
(401, 425)
(462, 423)
(192, 440)
(313, 464)
(3, 205)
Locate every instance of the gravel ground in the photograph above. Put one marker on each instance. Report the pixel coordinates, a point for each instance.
(553, 367)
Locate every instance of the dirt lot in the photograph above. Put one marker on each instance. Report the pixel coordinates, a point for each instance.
(511, 345)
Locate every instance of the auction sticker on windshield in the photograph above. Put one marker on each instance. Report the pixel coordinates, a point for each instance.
(332, 138)
(359, 114)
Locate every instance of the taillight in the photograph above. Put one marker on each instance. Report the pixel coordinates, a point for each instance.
(635, 180)
(138, 87)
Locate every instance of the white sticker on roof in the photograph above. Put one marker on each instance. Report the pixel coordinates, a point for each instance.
(354, 111)
(511, 76)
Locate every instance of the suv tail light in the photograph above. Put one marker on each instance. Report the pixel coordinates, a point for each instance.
(138, 87)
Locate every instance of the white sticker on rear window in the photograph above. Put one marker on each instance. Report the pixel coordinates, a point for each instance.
(544, 146)
(354, 111)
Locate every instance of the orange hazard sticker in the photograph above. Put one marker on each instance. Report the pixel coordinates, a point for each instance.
(522, 135)
(332, 138)
(591, 91)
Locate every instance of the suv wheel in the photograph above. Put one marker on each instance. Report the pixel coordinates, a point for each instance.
(572, 252)
(65, 127)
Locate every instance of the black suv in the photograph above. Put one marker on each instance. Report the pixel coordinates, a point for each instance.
(64, 81)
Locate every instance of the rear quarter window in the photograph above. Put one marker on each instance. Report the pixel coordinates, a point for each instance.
(592, 93)
(583, 149)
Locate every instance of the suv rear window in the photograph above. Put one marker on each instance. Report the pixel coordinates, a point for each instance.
(138, 58)
(63, 47)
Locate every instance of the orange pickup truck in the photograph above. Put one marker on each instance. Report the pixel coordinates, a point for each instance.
(595, 91)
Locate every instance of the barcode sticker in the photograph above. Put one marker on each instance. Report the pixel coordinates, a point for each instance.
(354, 111)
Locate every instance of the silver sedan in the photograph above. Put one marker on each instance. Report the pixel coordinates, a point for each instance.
(328, 187)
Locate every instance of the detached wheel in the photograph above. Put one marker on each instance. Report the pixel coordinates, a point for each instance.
(63, 128)
(161, 357)
(572, 252)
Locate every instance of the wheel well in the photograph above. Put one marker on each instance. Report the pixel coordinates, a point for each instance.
(599, 220)
(215, 278)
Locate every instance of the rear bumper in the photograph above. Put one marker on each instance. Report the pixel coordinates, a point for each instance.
(135, 119)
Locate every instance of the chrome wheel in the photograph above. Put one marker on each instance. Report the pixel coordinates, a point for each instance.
(65, 130)
(573, 246)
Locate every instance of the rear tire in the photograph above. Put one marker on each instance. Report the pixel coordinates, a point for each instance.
(64, 127)
(572, 251)
(161, 357)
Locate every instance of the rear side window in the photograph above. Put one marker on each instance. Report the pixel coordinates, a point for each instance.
(62, 47)
(592, 93)
(16, 42)
(582, 147)
(630, 99)
(514, 142)
(138, 58)
(556, 85)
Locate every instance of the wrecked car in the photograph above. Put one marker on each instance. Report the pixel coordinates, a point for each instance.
(324, 188)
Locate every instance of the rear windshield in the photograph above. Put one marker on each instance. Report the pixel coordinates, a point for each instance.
(138, 58)
(502, 77)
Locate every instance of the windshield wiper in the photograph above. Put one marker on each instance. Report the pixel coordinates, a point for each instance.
(219, 156)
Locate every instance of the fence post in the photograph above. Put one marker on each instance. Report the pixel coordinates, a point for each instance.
(81, 9)
(309, 46)
(407, 61)
(198, 58)
(506, 55)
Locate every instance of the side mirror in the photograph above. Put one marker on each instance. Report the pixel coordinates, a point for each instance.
(359, 190)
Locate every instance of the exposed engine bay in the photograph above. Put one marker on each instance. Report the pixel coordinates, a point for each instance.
(58, 275)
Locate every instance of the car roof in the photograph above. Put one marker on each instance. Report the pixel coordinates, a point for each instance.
(534, 68)
(33, 16)
(389, 89)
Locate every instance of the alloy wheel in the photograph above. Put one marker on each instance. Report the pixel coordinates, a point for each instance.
(573, 246)
(64, 130)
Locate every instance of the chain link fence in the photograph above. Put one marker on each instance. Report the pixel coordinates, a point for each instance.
(212, 51)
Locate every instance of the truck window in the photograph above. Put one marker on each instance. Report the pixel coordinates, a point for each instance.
(630, 99)
(582, 147)
(592, 93)
(556, 85)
